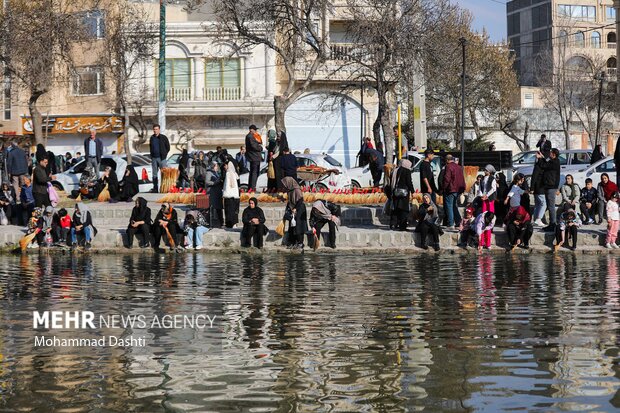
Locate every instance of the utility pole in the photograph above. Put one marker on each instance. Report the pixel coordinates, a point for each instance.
(601, 79)
(463, 42)
(161, 110)
(362, 123)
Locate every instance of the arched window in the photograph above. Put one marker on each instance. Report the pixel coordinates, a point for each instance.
(596, 40)
(612, 65)
(611, 40)
(580, 39)
(579, 66)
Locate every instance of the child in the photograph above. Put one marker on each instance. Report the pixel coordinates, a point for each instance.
(484, 228)
(568, 223)
(27, 198)
(514, 195)
(63, 226)
(588, 202)
(488, 189)
(613, 221)
(45, 224)
(466, 229)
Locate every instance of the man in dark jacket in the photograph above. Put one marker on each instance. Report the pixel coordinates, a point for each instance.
(93, 150)
(551, 182)
(253, 154)
(159, 146)
(17, 166)
(377, 162)
(453, 184)
(288, 164)
(544, 145)
(39, 184)
(427, 178)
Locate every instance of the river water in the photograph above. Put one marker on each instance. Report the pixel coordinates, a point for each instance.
(323, 333)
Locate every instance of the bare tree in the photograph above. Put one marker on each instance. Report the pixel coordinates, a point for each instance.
(130, 41)
(40, 39)
(513, 126)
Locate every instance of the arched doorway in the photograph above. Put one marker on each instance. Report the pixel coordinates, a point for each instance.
(325, 123)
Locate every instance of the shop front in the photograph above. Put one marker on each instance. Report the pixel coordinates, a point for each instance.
(67, 133)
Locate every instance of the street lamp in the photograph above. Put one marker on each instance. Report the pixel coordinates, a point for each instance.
(601, 79)
(463, 43)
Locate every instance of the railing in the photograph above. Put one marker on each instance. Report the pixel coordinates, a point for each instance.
(612, 72)
(611, 45)
(221, 93)
(179, 94)
(342, 51)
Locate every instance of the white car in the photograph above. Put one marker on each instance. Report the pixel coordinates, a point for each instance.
(361, 176)
(70, 180)
(570, 160)
(594, 172)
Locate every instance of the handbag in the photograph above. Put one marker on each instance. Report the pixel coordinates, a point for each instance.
(400, 192)
(271, 172)
(53, 195)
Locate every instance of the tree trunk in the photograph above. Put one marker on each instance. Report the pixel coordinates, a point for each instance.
(376, 129)
(126, 135)
(37, 121)
(526, 138)
(280, 104)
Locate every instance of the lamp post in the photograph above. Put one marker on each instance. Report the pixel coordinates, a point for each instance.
(463, 43)
(601, 79)
(161, 109)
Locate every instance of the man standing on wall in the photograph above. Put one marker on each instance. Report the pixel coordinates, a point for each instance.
(254, 147)
(93, 151)
(159, 146)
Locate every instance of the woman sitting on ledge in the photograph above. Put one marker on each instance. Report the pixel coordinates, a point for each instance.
(140, 221)
(254, 228)
(427, 222)
(82, 225)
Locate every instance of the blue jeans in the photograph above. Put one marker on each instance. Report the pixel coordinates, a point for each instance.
(540, 205)
(200, 231)
(156, 165)
(85, 230)
(452, 209)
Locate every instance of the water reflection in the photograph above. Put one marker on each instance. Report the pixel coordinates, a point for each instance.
(342, 333)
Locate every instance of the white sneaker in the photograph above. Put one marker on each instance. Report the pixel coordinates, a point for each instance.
(608, 246)
(198, 247)
(539, 223)
(615, 246)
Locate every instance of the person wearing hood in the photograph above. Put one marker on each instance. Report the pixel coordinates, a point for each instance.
(200, 170)
(231, 195)
(166, 219)
(214, 183)
(88, 184)
(519, 228)
(401, 188)
(140, 221)
(82, 225)
(484, 229)
(281, 146)
(254, 228)
(568, 224)
(109, 177)
(183, 180)
(129, 186)
(428, 222)
(40, 153)
(8, 201)
(295, 213)
(597, 154)
(488, 189)
(605, 189)
(45, 224)
(322, 215)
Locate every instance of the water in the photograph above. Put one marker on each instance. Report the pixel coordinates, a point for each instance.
(325, 333)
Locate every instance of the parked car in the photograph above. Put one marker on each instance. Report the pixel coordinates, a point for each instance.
(594, 172)
(361, 176)
(570, 160)
(70, 179)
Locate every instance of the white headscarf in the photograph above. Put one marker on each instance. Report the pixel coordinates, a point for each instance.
(231, 189)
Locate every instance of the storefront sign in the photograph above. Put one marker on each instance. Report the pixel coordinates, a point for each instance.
(71, 125)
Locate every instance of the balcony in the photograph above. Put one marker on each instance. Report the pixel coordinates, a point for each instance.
(187, 94)
(343, 51)
(611, 45)
(612, 72)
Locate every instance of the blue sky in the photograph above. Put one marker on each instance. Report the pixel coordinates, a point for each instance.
(489, 14)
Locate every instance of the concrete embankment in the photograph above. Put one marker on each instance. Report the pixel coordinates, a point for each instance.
(364, 229)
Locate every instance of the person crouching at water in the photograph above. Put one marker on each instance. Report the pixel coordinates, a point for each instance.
(568, 223)
(166, 223)
(195, 227)
(484, 228)
(254, 228)
(466, 228)
(428, 222)
(613, 220)
(63, 227)
(46, 226)
(140, 221)
(401, 188)
(295, 213)
(519, 228)
(82, 225)
(321, 215)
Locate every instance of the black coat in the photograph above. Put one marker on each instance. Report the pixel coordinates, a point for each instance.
(403, 180)
(288, 164)
(215, 188)
(141, 213)
(253, 149)
(17, 162)
(550, 173)
(39, 184)
(164, 146)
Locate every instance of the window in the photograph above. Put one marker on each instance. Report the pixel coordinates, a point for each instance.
(94, 23)
(580, 39)
(581, 158)
(223, 79)
(332, 161)
(88, 80)
(576, 12)
(596, 40)
(608, 166)
(610, 12)
(514, 24)
(178, 73)
(563, 159)
(541, 16)
(528, 100)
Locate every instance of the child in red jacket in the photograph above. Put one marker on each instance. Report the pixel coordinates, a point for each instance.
(63, 227)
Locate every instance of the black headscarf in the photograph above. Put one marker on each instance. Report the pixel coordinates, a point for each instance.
(130, 183)
(184, 161)
(283, 141)
(41, 153)
(597, 154)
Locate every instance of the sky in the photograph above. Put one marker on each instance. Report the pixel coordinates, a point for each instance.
(489, 14)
